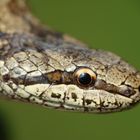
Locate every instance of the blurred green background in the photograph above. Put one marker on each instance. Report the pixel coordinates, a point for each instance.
(107, 24)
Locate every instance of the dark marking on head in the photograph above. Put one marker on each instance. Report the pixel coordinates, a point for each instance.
(54, 95)
(74, 96)
(25, 80)
(67, 98)
(34, 80)
(87, 101)
(6, 77)
(139, 88)
(127, 91)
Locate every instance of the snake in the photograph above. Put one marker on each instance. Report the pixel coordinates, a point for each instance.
(41, 66)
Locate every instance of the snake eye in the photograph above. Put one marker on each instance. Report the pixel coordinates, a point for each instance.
(85, 76)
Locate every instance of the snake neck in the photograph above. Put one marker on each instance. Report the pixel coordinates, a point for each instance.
(16, 17)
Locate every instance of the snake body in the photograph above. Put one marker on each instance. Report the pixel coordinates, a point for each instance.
(37, 65)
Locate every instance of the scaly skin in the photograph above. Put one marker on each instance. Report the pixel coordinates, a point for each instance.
(37, 65)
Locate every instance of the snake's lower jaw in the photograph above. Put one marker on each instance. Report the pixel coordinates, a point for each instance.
(71, 97)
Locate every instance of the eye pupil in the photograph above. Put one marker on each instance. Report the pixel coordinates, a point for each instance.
(84, 79)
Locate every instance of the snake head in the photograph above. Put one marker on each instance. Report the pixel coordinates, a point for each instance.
(93, 80)
(38, 65)
(66, 76)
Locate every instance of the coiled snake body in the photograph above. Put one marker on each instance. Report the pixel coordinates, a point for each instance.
(41, 66)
